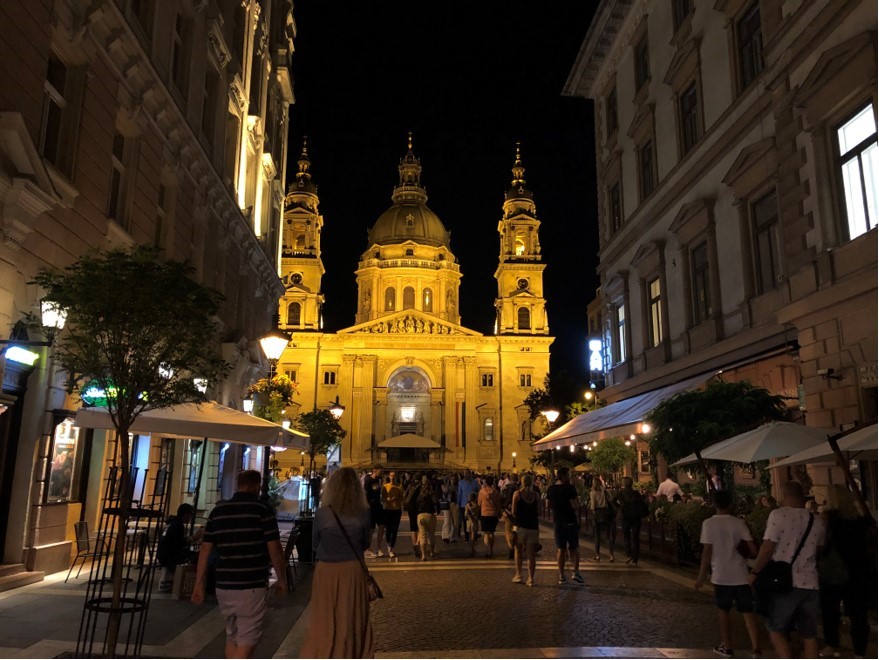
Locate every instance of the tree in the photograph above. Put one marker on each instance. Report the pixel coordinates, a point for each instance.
(140, 329)
(611, 456)
(271, 397)
(691, 421)
(324, 432)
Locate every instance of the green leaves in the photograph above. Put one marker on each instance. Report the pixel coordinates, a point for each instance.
(611, 455)
(128, 314)
(324, 431)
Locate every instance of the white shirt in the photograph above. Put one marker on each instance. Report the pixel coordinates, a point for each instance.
(785, 527)
(669, 488)
(724, 532)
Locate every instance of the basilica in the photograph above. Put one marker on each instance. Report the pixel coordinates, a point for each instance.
(419, 389)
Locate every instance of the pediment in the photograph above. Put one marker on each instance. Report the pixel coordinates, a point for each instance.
(693, 219)
(409, 322)
(522, 293)
(684, 62)
(754, 165)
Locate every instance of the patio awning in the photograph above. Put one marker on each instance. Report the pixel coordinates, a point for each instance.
(860, 444)
(617, 419)
(409, 441)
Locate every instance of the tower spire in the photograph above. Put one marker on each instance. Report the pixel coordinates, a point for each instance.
(409, 188)
(518, 190)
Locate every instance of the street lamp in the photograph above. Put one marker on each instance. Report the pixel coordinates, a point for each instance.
(514, 461)
(551, 414)
(589, 395)
(336, 408)
(247, 405)
(273, 345)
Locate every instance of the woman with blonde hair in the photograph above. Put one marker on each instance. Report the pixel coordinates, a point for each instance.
(846, 570)
(339, 625)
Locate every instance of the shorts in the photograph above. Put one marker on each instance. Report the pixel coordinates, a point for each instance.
(376, 516)
(741, 594)
(243, 611)
(798, 610)
(526, 537)
(488, 524)
(567, 536)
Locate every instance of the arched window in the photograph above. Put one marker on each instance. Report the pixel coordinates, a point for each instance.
(488, 429)
(427, 300)
(300, 242)
(294, 314)
(408, 298)
(520, 246)
(524, 318)
(390, 299)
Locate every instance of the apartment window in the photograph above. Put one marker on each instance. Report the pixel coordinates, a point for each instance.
(645, 166)
(642, 63)
(291, 374)
(700, 283)
(654, 304)
(621, 333)
(616, 208)
(408, 298)
(294, 313)
(750, 45)
(161, 216)
(427, 300)
(390, 299)
(329, 377)
(681, 9)
(230, 156)
(239, 33)
(524, 380)
(859, 170)
(612, 112)
(488, 380)
(118, 180)
(54, 106)
(488, 429)
(178, 53)
(524, 318)
(142, 10)
(689, 109)
(766, 246)
(209, 107)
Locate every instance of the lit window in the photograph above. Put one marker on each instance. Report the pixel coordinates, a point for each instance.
(654, 293)
(390, 299)
(701, 291)
(407, 413)
(520, 247)
(859, 170)
(488, 429)
(427, 298)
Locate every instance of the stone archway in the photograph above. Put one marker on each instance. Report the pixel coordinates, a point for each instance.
(408, 391)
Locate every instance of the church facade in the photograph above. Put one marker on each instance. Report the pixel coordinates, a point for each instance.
(420, 390)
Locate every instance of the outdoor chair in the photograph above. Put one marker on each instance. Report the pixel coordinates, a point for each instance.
(84, 547)
(289, 560)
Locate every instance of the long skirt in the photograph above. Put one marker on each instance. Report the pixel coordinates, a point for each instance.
(338, 614)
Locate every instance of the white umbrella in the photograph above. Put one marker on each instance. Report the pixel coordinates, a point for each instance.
(861, 444)
(201, 420)
(768, 441)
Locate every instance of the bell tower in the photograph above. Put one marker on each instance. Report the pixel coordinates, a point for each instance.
(301, 264)
(520, 305)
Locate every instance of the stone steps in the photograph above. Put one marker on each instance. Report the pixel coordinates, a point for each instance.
(13, 576)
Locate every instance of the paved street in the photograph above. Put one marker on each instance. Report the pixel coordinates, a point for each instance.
(456, 606)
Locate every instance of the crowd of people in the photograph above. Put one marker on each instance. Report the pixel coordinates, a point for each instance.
(359, 517)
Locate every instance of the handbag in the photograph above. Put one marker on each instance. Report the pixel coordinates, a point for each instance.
(373, 591)
(777, 576)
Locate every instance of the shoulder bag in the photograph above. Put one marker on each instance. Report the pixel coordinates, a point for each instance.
(777, 576)
(373, 591)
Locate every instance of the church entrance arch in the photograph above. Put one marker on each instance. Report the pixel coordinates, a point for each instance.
(408, 404)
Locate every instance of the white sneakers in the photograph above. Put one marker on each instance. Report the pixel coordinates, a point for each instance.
(369, 554)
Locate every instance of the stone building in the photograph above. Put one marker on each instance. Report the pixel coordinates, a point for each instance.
(130, 122)
(736, 156)
(419, 388)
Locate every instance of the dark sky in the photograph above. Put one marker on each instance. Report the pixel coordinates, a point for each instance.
(468, 79)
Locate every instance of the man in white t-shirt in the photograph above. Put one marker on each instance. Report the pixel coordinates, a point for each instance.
(669, 488)
(721, 536)
(800, 608)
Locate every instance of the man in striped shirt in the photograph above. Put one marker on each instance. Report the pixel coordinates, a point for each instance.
(245, 533)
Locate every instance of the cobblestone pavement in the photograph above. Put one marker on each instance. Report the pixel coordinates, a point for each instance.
(447, 608)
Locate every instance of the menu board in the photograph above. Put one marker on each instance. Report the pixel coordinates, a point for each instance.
(62, 461)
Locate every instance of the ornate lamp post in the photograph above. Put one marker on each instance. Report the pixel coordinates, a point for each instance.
(551, 415)
(273, 345)
(514, 461)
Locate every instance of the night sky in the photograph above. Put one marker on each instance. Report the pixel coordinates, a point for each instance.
(469, 79)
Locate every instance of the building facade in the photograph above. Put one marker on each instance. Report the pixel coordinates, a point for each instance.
(419, 388)
(736, 153)
(124, 123)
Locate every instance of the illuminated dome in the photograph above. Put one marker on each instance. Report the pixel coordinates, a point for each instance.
(409, 219)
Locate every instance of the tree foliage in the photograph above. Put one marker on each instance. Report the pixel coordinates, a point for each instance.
(140, 329)
(611, 455)
(324, 432)
(691, 421)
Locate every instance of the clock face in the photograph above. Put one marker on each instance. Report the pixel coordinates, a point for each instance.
(522, 283)
(296, 278)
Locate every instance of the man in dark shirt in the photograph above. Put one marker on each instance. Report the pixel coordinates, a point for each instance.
(245, 534)
(173, 548)
(372, 484)
(562, 497)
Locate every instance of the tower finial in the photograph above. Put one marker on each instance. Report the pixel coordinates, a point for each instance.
(305, 146)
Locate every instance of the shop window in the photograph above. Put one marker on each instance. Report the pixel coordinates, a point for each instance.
(62, 465)
(858, 167)
(194, 451)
